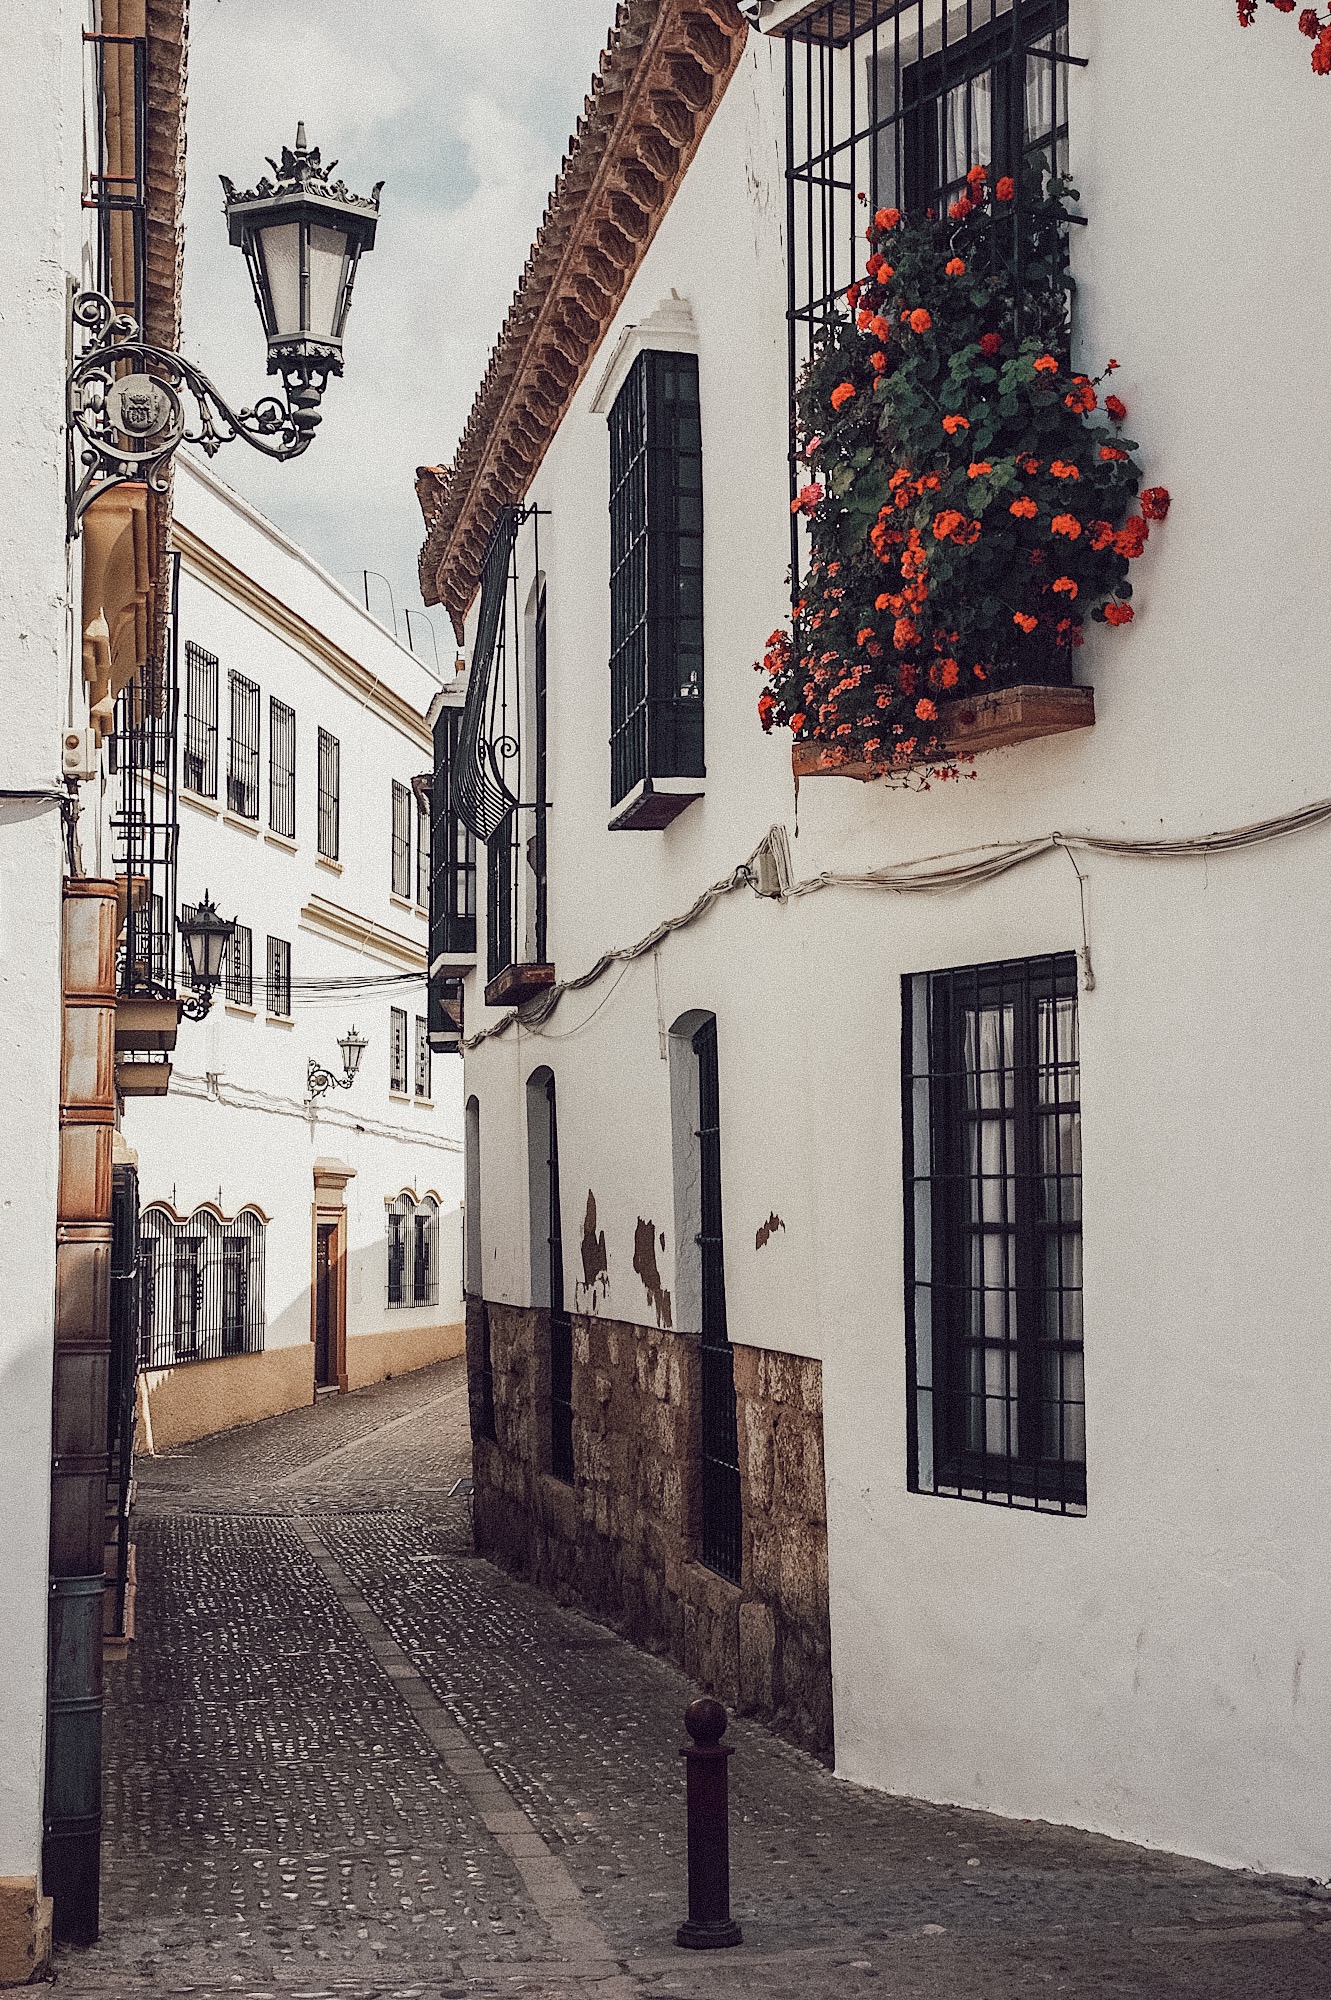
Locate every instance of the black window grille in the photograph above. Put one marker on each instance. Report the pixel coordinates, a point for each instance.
(198, 771)
(656, 585)
(993, 1233)
(242, 778)
(722, 1516)
(202, 1296)
(423, 832)
(888, 105)
(240, 967)
(561, 1326)
(452, 850)
(330, 795)
(145, 820)
(485, 1415)
(282, 768)
(148, 948)
(422, 1056)
(117, 97)
(501, 859)
(425, 1255)
(400, 1213)
(397, 1050)
(279, 977)
(401, 840)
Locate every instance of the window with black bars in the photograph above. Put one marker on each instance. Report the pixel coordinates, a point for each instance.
(656, 584)
(399, 1223)
(397, 1050)
(279, 977)
(422, 849)
(561, 1326)
(501, 862)
(888, 105)
(424, 1259)
(422, 1056)
(242, 778)
(202, 1293)
(452, 851)
(991, 1077)
(240, 967)
(281, 768)
(402, 814)
(198, 771)
(722, 1520)
(148, 946)
(330, 795)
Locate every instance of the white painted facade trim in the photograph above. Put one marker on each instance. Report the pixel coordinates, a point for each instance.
(669, 330)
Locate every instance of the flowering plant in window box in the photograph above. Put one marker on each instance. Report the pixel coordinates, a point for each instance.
(1310, 24)
(968, 506)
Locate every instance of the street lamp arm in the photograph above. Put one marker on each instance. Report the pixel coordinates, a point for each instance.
(132, 405)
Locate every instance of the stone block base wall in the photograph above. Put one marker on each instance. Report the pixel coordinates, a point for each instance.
(25, 1930)
(623, 1539)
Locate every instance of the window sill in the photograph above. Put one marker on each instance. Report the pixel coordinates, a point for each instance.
(200, 803)
(423, 1103)
(326, 861)
(970, 726)
(250, 826)
(654, 803)
(404, 903)
(279, 1020)
(399, 1097)
(241, 1012)
(281, 840)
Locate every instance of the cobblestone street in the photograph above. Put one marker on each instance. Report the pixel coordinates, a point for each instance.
(346, 1758)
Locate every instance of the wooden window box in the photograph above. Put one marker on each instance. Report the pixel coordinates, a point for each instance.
(517, 983)
(970, 725)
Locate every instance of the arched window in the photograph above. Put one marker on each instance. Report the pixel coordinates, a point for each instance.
(413, 1250)
(202, 1279)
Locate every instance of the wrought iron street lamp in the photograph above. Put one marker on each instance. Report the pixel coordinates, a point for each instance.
(131, 404)
(318, 1079)
(207, 938)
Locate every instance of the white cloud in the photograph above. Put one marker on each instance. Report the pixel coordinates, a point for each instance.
(463, 107)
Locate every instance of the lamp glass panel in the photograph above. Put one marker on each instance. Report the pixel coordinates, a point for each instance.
(214, 945)
(281, 262)
(328, 259)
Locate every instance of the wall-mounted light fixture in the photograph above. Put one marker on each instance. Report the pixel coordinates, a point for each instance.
(131, 405)
(318, 1079)
(206, 937)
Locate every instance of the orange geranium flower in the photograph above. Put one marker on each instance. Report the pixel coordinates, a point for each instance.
(887, 218)
(1065, 524)
(1046, 365)
(947, 523)
(1119, 614)
(954, 424)
(905, 635)
(1024, 619)
(1102, 534)
(955, 267)
(883, 603)
(949, 673)
(1082, 398)
(878, 362)
(1116, 408)
(1025, 509)
(920, 320)
(1006, 190)
(1155, 502)
(926, 710)
(977, 176)
(842, 394)
(1065, 586)
(978, 468)
(1110, 452)
(1060, 469)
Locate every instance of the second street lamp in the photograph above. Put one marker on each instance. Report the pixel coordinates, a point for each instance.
(206, 937)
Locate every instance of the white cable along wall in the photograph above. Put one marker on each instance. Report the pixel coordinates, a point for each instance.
(769, 873)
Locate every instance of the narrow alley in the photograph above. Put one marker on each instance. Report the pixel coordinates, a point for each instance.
(347, 1758)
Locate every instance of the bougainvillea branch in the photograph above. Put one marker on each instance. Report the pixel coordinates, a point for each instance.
(969, 509)
(1310, 23)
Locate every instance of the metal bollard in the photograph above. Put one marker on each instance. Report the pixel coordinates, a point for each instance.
(710, 1925)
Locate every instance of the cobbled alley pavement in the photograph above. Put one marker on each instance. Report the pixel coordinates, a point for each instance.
(347, 1760)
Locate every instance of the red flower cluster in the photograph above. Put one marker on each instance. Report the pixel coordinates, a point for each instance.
(1311, 24)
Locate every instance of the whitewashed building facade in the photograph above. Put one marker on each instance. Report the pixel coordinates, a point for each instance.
(295, 1241)
(1092, 1589)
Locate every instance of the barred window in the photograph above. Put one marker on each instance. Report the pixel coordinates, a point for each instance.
(242, 781)
(279, 977)
(203, 1286)
(148, 947)
(993, 1230)
(423, 849)
(199, 765)
(282, 768)
(240, 967)
(413, 1250)
(656, 626)
(397, 1050)
(330, 795)
(401, 839)
(452, 850)
(422, 1056)
(399, 1222)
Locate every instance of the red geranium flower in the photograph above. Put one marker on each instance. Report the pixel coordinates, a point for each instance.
(954, 424)
(1155, 502)
(842, 394)
(1024, 619)
(1119, 614)
(1116, 407)
(1006, 189)
(926, 710)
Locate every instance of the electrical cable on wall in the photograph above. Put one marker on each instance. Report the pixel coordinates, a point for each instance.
(768, 873)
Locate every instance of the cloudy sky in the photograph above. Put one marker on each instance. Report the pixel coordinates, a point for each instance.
(463, 108)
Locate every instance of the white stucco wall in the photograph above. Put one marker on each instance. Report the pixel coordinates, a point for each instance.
(247, 1138)
(40, 169)
(1158, 1669)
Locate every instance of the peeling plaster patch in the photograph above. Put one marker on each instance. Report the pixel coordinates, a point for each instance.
(768, 1231)
(595, 1264)
(644, 1263)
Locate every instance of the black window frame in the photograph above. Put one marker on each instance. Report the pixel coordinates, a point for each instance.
(278, 993)
(401, 862)
(722, 1499)
(239, 975)
(330, 796)
(656, 573)
(980, 1356)
(198, 769)
(452, 850)
(398, 1078)
(243, 746)
(281, 768)
(423, 1078)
